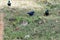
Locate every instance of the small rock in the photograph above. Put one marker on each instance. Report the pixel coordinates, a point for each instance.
(27, 36)
(57, 21)
(17, 28)
(40, 22)
(24, 23)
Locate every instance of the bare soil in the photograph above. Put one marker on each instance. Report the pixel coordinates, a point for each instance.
(1, 26)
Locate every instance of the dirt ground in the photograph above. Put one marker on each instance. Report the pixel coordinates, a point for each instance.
(1, 26)
(21, 4)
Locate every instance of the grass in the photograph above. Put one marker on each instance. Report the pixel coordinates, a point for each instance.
(38, 27)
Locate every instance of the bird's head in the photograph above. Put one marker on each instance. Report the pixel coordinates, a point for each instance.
(9, 1)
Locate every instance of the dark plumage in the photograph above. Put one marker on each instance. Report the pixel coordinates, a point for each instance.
(9, 3)
(31, 13)
(46, 13)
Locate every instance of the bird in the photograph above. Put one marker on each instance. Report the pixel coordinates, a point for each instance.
(9, 3)
(46, 13)
(31, 13)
